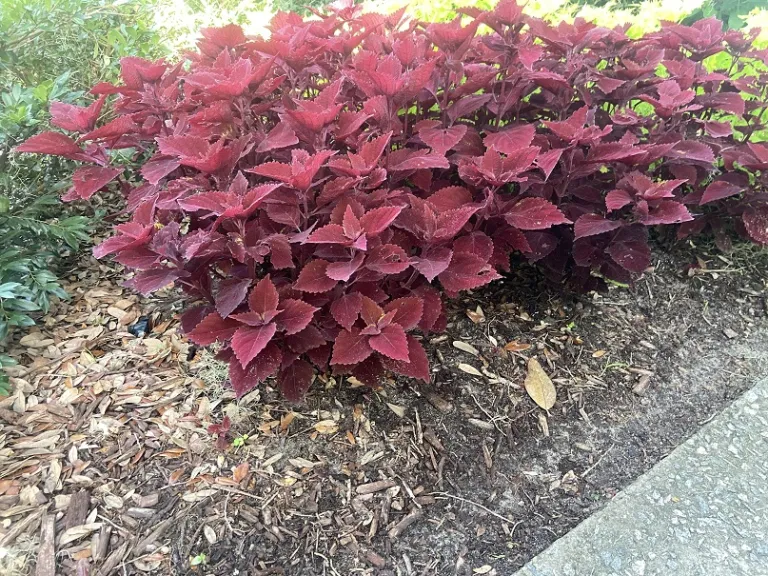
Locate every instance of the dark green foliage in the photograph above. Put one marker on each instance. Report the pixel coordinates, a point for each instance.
(50, 50)
(39, 39)
(731, 12)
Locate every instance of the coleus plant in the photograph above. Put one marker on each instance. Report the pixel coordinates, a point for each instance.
(317, 193)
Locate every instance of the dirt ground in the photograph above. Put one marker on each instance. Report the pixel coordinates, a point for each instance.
(104, 448)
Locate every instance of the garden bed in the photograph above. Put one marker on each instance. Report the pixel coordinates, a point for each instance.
(107, 432)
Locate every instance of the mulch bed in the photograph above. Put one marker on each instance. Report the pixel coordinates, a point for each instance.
(106, 457)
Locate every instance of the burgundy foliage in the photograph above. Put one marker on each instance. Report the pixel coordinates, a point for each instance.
(319, 191)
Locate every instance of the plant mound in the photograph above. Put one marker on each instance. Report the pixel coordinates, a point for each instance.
(320, 192)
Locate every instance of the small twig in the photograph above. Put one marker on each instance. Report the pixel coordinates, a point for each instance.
(407, 520)
(588, 470)
(475, 504)
(49, 363)
(236, 491)
(226, 518)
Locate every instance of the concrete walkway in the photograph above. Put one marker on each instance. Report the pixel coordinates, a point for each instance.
(702, 511)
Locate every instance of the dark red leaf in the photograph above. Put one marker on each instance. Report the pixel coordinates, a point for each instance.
(391, 342)
(419, 160)
(377, 220)
(629, 249)
(264, 298)
(342, 271)
(350, 347)
(346, 309)
(148, 281)
(418, 364)
(387, 259)
(511, 140)
(55, 144)
(306, 340)
(313, 278)
(281, 136)
(546, 161)
(433, 262)
(231, 294)
(718, 190)
(120, 126)
(756, 223)
(295, 380)
(617, 199)
(212, 328)
(442, 140)
(295, 316)
(591, 224)
(329, 234)
(369, 371)
(158, 167)
(408, 311)
(249, 341)
(262, 367)
(90, 179)
(450, 198)
(451, 222)
(76, 118)
(667, 212)
(535, 214)
(466, 272)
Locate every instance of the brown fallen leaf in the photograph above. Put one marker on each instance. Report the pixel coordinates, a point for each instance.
(116, 312)
(286, 420)
(198, 496)
(539, 386)
(327, 427)
(516, 346)
(477, 316)
(598, 353)
(176, 475)
(240, 472)
(36, 340)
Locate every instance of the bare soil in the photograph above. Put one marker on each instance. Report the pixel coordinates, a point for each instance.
(107, 433)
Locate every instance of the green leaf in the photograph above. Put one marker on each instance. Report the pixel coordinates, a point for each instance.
(20, 305)
(5, 385)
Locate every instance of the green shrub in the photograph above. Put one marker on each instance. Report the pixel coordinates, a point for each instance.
(39, 39)
(735, 13)
(50, 50)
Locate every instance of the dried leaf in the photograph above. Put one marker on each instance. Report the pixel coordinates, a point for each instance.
(113, 501)
(117, 313)
(399, 410)
(465, 347)
(241, 471)
(516, 346)
(210, 534)
(54, 474)
(35, 340)
(470, 369)
(539, 386)
(198, 496)
(286, 420)
(477, 316)
(77, 532)
(175, 476)
(598, 353)
(327, 427)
